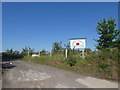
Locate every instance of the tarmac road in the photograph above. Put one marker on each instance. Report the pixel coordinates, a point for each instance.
(24, 74)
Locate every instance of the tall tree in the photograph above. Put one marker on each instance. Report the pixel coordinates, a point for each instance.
(108, 34)
(57, 47)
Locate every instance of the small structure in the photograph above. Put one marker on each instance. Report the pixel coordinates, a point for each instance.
(35, 55)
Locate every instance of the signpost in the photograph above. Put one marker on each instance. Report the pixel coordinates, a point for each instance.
(77, 43)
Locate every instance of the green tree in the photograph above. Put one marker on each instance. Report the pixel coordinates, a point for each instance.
(31, 50)
(10, 52)
(108, 34)
(13, 54)
(43, 52)
(26, 50)
(57, 47)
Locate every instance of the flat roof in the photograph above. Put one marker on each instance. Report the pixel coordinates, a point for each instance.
(76, 38)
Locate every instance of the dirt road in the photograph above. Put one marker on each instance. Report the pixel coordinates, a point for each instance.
(31, 75)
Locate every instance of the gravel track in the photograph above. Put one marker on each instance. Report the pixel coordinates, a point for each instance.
(32, 75)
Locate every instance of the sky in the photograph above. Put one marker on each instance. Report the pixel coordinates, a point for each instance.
(40, 24)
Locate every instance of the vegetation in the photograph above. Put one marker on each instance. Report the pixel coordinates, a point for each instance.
(26, 51)
(57, 48)
(11, 54)
(108, 35)
(99, 64)
(43, 52)
(102, 63)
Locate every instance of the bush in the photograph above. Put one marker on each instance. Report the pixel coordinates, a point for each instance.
(102, 65)
(71, 61)
(73, 57)
(107, 61)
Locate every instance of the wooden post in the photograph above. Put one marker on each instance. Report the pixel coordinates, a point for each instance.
(28, 53)
(39, 53)
(83, 56)
(66, 52)
(50, 53)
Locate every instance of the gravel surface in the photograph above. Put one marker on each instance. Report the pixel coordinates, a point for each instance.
(32, 75)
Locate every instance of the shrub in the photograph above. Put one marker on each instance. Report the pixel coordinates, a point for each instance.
(73, 57)
(71, 61)
(102, 65)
